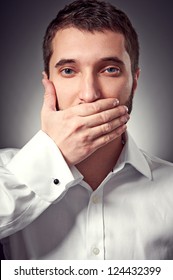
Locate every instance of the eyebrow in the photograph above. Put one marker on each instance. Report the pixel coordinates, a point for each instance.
(114, 59)
(62, 62)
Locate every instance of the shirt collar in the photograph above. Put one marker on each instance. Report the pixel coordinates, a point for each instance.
(132, 155)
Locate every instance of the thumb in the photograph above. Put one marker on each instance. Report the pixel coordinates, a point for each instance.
(49, 95)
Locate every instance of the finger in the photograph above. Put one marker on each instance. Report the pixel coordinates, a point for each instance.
(87, 109)
(49, 96)
(107, 138)
(44, 75)
(108, 127)
(106, 116)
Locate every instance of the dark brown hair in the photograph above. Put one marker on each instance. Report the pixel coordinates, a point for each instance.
(89, 15)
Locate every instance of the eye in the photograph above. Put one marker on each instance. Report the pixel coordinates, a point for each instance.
(112, 70)
(67, 72)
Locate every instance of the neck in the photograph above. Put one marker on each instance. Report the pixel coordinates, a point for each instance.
(97, 166)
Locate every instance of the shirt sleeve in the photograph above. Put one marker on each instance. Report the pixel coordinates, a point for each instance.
(35, 177)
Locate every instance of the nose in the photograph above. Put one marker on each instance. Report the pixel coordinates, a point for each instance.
(89, 91)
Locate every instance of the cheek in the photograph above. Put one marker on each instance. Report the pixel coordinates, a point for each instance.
(65, 92)
(117, 88)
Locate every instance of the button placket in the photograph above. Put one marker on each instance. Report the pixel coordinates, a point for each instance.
(95, 227)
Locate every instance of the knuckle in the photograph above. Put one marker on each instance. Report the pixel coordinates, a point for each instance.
(117, 133)
(107, 127)
(111, 136)
(75, 126)
(86, 150)
(96, 107)
(84, 139)
(105, 117)
(107, 138)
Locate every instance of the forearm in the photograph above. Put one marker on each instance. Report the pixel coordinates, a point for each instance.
(27, 183)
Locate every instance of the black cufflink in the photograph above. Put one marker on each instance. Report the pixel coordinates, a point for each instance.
(56, 181)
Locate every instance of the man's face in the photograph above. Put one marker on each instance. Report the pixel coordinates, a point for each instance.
(86, 66)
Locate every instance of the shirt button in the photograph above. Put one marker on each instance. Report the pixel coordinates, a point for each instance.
(56, 181)
(96, 251)
(95, 199)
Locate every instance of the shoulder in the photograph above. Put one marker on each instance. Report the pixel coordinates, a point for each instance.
(6, 155)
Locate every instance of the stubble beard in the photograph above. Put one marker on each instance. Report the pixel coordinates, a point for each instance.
(129, 102)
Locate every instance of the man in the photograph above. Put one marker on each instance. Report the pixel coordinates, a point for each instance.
(81, 189)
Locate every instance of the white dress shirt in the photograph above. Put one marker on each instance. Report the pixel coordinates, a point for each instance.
(129, 216)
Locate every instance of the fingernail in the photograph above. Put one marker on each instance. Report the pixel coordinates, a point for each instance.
(124, 127)
(126, 108)
(116, 102)
(44, 75)
(127, 118)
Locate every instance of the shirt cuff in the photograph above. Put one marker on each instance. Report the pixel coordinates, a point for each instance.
(41, 166)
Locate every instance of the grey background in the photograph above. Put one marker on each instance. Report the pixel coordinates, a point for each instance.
(23, 24)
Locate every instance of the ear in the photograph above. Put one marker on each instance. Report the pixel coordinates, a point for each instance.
(135, 79)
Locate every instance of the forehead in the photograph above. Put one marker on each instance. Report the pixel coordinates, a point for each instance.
(83, 45)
